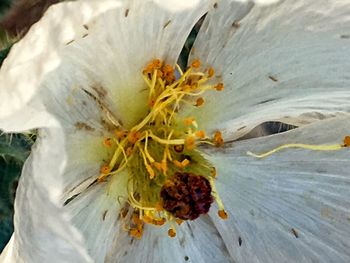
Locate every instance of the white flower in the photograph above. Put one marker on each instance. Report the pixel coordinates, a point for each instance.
(279, 61)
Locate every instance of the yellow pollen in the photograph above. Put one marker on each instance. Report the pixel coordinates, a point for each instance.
(222, 214)
(120, 134)
(346, 141)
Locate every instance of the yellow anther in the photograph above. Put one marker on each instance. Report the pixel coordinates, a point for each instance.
(179, 221)
(200, 134)
(190, 143)
(219, 87)
(346, 141)
(196, 63)
(108, 142)
(218, 140)
(150, 171)
(171, 232)
(199, 102)
(188, 121)
(105, 169)
(184, 163)
(213, 172)
(211, 72)
(222, 214)
(133, 137)
(177, 164)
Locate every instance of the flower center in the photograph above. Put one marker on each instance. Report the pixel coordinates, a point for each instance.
(169, 180)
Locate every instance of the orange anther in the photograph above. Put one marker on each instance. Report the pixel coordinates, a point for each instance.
(120, 134)
(108, 142)
(196, 63)
(179, 221)
(199, 102)
(347, 141)
(219, 87)
(171, 232)
(200, 134)
(129, 151)
(188, 121)
(133, 137)
(168, 69)
(151, 102)
(190, 142)
(211, 72)
(159, 207)
(105, 169)
(158, 166)
(218, 140)
(159, 222)
(222, 214)
(136, 219)
(136, 233)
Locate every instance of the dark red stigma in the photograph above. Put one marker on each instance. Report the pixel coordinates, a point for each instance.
(187, 196)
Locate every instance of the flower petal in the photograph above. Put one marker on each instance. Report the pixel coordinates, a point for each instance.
(99, 46)
(42, 230)
(96, 213)
(292, 206)
(285, 61)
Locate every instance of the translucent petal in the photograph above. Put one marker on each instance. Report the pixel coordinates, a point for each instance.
(292, 206)
(284, 61)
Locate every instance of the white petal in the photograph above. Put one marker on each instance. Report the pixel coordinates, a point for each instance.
(36, 55)
(100, 46)
(42, 230)
(292, 206)
(196, 241)
(95, 212)
(283, 61)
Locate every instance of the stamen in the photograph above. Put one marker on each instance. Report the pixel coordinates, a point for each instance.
(219, 87)
(196, 63)
(334, 147)
(199, 102)
(222, 214)
(172, 232)
(108, 142)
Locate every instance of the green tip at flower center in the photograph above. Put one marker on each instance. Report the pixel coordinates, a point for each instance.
(161, 155)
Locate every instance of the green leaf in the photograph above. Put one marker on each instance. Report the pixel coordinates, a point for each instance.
(4, 53)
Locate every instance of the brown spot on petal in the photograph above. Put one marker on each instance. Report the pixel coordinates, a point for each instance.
(126, 12)
(166, 24)
(83, 126)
